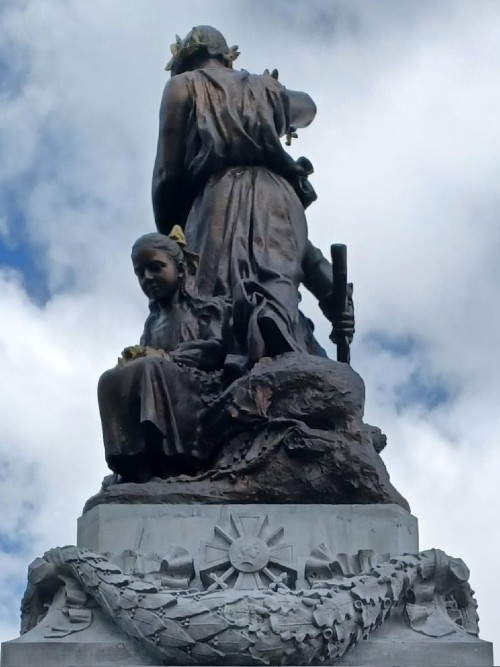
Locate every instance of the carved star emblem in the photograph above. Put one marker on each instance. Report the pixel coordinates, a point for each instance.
(247, 554)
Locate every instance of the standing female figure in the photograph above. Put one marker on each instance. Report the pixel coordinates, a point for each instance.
(222, 173)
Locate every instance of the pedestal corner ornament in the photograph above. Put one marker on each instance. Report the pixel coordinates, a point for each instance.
(247, 554)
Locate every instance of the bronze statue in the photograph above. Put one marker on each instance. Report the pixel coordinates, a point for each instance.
(229, 401)
(222, 173)
(151, 401)
(229, 394)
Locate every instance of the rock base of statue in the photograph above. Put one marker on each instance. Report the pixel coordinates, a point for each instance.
(247, 585)
(289, 431)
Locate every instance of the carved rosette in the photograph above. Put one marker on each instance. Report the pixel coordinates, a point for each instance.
(248, 554)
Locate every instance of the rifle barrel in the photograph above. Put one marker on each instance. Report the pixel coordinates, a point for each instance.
(339, 274)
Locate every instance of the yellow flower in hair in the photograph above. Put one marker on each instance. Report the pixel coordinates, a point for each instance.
(177, 235)
(191, 258)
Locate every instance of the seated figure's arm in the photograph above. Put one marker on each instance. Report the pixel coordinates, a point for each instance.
(206, 355)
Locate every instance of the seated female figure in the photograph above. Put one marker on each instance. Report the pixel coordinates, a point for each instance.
(151, 402)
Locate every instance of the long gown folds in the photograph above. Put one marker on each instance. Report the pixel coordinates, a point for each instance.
(246, 223)
(150, 407)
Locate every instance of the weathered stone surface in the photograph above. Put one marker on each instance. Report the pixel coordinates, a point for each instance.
(102, 643)
(277, 583)
(275, 625)
(395, 643)
(347, 529)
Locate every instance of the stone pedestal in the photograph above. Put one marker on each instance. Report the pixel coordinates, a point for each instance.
(102, 644)
(240, 552)
(156, 528)
(394, 643)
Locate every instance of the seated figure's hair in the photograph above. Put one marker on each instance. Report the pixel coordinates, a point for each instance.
(174, 244)
(160, 242)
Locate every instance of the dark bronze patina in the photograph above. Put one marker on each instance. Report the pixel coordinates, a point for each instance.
(229, 396)
(222, 174)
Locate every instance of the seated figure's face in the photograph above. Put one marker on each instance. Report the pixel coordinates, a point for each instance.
(157, 274)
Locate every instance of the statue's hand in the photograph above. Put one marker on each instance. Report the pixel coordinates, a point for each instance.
(135, 351)
(205, 355)
(130, 353)
(342, 321)
(342, 327)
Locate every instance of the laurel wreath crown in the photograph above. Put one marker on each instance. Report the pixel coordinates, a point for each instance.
(186, 48)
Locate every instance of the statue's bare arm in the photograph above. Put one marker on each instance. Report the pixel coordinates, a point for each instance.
(171, 198)
(318, 279)
(317, 272)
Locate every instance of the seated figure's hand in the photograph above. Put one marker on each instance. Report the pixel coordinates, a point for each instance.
(186, 357)
(206, 355)
(135, 351)
(130, 353)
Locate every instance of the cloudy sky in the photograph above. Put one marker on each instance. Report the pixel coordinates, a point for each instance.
(406, 147)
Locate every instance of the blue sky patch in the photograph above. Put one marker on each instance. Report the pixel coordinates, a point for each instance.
(16, 251)
(397, 345)
(12, 544)
(421, 388)
(14, 56)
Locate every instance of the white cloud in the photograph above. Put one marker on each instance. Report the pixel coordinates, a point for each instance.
(406, 148)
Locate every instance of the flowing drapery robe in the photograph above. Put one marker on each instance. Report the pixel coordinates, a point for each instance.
(223, 174)
(150, 407)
